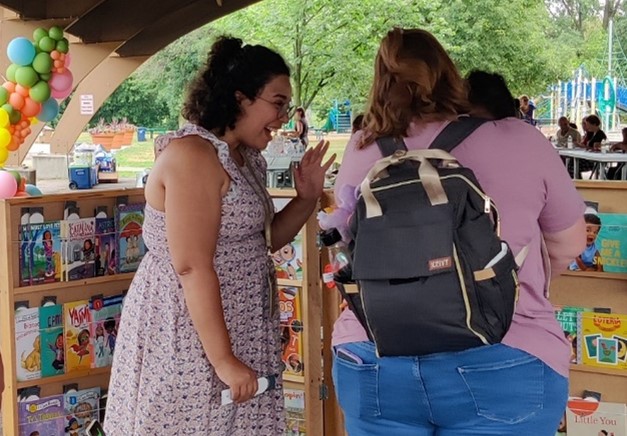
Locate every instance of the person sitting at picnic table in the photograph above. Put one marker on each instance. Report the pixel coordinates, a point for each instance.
(614, 173)
(591, 142)
(566, 131)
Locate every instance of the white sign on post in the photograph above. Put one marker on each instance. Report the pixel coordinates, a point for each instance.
(87, 104)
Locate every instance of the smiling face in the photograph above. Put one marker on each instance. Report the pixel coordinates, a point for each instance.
(265, 114)
(592, 231)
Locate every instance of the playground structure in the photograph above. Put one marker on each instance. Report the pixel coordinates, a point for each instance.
(340, 117)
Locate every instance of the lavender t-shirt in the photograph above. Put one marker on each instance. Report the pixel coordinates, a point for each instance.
(519, 169)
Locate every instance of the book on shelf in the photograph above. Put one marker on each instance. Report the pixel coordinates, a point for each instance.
(288, 260)
(291, 330)
(81, 407)
(295, 411)
(41, 417)
(567, 317)
(78, 248)
(105, 246)
(105, 320)
(27, 342)
(52, 339)
(77, 322)
(129, 219)
(602, 340)
(606, 244)
(45, 252)
(592, 418)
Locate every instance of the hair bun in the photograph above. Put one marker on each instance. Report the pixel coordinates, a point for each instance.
(224, 51)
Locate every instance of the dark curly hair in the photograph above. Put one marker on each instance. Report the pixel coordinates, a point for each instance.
(489, 91)
(231, 66)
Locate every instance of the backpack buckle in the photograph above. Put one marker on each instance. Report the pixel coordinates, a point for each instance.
(399, 153)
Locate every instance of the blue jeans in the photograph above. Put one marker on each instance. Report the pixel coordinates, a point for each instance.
(491, 390)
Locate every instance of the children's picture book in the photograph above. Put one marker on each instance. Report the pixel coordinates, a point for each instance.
(78, 240)
(41, 417)
(295, 411)
(105, 246)
(45, 252)
(291, 330)
(567, 317)
(602, 339)
(52, 340)
(27, 343)
(592, 418)
(77, 320)
(606, 244)
(105, 316)
(288, 260)
(129, 220)
(25, 254)
(81, 407)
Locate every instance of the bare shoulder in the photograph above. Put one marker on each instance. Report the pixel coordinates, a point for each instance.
(189, 151)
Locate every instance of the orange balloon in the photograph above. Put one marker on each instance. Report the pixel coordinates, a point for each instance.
(11, 129)
(22, 186)
(21, 194)
(58, 63)
(24, 124)
(16, 100)
(9, 86)
(27, 130)
(61, 70)
(22, 90)
(13, 145)
(30, 109)
(24, 133)
(62, 56)
(21, 141)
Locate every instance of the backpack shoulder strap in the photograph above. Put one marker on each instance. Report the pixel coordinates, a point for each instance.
(453, 134)
(388, 145)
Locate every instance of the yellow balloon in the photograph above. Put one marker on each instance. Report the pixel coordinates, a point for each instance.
(33, 120)
(4, 155)
(4, 118)
(5, 137)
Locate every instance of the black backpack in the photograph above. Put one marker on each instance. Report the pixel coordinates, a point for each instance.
(432, 273)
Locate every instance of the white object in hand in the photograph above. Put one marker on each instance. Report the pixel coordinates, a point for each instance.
(264, 384)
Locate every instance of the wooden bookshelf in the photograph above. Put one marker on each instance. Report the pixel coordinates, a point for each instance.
(11, 291)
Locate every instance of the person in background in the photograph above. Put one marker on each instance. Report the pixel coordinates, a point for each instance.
(416, 92)
(201, 315)
(489, 96)
(357, 122)
(597, 135)
(301, 126)
(566, 131)
(527, 108)
(519, 114)
(614, 173)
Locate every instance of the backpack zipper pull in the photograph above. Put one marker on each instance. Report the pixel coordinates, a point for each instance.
(486, 204)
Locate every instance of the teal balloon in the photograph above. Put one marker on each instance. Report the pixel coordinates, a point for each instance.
(40, 92)
(14, 116)
(56, 33)
(63, 46)
(4, 95)
(21, 51)
(39, 33)
(26, 76)
(49, 110)
(33, 190)
(42, 63)
(47, 44)
(11, 69)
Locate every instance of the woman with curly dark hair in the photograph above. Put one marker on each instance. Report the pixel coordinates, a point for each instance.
(201, 315)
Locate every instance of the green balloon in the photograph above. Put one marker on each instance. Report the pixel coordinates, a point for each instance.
(11, 72)
(16, 175)
(63, 46)
(14, 116)
(56, 33)
(4, 95)
(7, 107)
(47, 44)
(40, 92)
(26, 76)
(42, 63)
(45, 76)
(39, 33)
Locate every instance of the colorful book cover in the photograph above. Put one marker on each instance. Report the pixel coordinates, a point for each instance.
(42, 417)
(81, 407)
(291, 330)
(25, 255)
(592, 418)
(78, 240)
(288, 260)
(602, 339)
(567, 317)
(27, 343)
(45, 252)
(77, 320)
(52, 341)
(105, 316)
(105, 246)
(606, 245)
(130, 243)
(295, 411)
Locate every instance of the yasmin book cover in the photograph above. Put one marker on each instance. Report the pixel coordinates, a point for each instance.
(52, 340)
(130, 243)
(291, 330)
(46, 252)
(81, 407)
(105, 247)
(602, 339)
(41, 417)
(77, 320)
(78, 240)
(105, 315)
(27, 343)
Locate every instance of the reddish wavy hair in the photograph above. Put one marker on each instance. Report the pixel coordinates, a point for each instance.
(414, 79)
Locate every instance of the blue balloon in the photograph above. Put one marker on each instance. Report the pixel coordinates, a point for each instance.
(21, 51)
(49, 110)
(33, 190)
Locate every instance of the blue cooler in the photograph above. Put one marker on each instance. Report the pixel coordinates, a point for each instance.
(82, 177)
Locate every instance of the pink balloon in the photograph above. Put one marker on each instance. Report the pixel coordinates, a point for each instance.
(61, 81)
(60, 95)
(68, 60)
(8, 185)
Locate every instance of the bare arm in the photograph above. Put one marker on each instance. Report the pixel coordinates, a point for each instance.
(290, 220)
(565, 246)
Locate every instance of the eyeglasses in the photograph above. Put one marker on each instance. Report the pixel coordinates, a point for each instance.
(285, 109)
